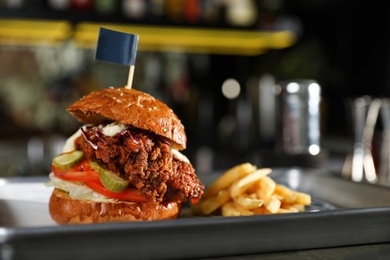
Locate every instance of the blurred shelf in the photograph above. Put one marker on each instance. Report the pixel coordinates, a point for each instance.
(192, 40)
(21, 32)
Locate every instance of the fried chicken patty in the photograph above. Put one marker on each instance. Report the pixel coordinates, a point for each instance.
(144, 160)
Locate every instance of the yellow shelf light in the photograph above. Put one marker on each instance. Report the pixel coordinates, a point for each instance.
(22, 32)
(191, 40)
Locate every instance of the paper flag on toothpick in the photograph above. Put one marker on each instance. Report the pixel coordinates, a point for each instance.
(118, 47)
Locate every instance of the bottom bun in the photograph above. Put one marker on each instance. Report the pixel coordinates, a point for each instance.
(65, 210)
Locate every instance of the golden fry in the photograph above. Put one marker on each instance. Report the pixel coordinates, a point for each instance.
(287, 194)
(208, 206)
(244, 211)
(266, 187)
(232, 209)
(273, 204)
(261, 211)
(289, 210)
(248, 202)
(298, 207)
(228, 210)
(302, 198)
(240, 186)
(252, 196)
(228, 178)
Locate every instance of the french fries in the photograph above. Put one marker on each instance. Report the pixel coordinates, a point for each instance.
(244, 190)
(228, 178)
(241, 185)
(213, 203)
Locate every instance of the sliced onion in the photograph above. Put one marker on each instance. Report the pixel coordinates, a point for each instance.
(88, 139)
(126, 133)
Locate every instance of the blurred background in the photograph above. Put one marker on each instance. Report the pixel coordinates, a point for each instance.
(215, 62)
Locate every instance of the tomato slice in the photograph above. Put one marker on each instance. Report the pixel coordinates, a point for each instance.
(84, 172)
(81, 172)
(78, 176)
(195, 200)
(129, 194)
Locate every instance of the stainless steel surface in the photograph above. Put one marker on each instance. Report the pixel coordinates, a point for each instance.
(299, 116)
(360, 209)
(384, 167)
(368, 135)
(360, 165)
(24, 202)
(262, 98)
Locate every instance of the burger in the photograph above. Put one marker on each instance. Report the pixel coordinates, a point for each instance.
(124, 162)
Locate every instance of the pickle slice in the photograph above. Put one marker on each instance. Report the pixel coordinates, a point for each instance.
(109, 179)
(66, 161)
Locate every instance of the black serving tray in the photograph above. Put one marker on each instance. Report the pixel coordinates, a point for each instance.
(344, 213)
